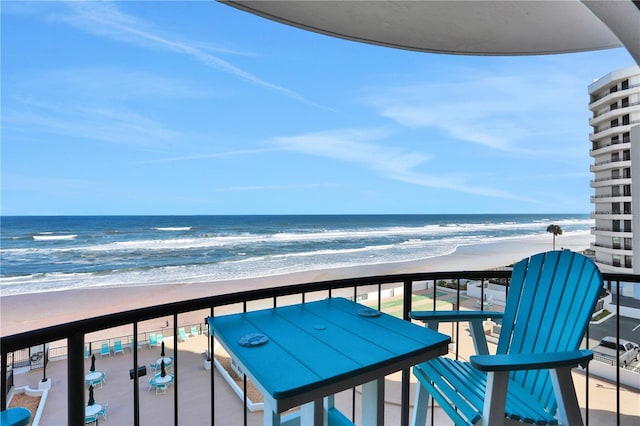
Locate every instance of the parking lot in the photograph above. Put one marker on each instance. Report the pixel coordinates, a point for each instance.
(629, 330)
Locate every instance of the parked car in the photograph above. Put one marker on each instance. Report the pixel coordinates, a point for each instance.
(628, 351)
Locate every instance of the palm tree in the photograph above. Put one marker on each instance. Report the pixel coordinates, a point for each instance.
(555, 230)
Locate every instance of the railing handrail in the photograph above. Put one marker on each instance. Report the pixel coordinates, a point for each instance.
(88, 325)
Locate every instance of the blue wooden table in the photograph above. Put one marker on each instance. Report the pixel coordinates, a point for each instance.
(16, 416)
(301, 355)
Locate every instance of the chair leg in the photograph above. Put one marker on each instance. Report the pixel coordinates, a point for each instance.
(568, 408)
(495, 398)
(420, 407)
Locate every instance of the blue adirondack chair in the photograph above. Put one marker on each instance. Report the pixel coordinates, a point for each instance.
(550, 302)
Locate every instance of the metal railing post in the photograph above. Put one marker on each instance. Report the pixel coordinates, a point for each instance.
(175, 369)
(75, 380)
(136, 382)
(405, 384)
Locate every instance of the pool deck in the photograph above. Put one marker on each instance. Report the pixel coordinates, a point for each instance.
(194, 405)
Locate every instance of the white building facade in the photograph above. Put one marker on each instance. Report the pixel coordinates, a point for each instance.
(615, 149)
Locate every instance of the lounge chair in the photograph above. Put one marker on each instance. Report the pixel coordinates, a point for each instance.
(194, 331)
(104, 349)
(182, 334)
(488, 301)
(161, 388)
(86, 352)
(103, 412)
(152, 340)
(117, 347)
(529, 380)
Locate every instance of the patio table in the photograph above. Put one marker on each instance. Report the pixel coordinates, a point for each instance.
(167, 361)
(162, 380)
(92, 410)
(301, 355)
(94, 375)
(16, 416)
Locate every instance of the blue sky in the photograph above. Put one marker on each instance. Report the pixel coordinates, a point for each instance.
(198, 108)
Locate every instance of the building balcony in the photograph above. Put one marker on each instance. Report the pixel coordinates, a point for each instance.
(612, 249)
(606, 97)
(608, 114)
(201, 396)
(614, 267)
(608, 131)
(608, 215)
(609, 181)
(609, 164)
(607, 146)
(610, 232)
(610, 198)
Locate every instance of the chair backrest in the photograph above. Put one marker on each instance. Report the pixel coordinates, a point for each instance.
(550, 302)
(104, 348)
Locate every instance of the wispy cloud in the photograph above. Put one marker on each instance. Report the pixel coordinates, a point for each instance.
(278, 187)
(101, 123)
(206, 156)
(359, 147)
(100, 84)
(107, 20)
(499, 111)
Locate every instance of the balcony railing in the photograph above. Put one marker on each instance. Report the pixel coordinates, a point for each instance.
(406, 286)
(606, 110)
(596, 98)
(603, 128)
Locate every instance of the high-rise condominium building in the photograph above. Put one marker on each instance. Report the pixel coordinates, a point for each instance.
(615, 148)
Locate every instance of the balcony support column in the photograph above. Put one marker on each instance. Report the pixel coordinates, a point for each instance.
(75, 379)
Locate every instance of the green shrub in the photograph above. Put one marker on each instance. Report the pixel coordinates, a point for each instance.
(601, 315)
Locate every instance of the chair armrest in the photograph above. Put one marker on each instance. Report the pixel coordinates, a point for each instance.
(454, 316)
(537, 361)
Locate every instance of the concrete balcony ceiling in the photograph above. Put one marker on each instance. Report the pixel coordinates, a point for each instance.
(466, 27)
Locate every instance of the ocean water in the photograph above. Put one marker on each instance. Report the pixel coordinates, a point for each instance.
(40, 253)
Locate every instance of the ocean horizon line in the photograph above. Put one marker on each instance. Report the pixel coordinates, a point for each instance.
(290, 214)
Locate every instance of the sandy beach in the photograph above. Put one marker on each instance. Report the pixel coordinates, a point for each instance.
(19, 313)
